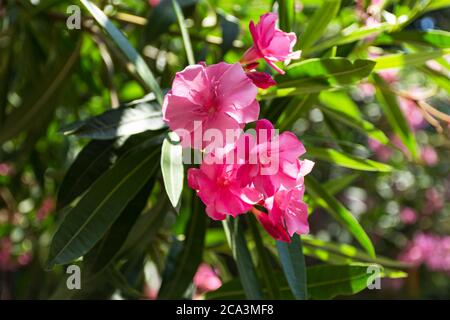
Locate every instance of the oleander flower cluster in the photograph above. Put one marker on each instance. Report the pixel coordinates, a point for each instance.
(257, 171)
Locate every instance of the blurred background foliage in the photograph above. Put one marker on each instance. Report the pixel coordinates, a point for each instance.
(378, 132)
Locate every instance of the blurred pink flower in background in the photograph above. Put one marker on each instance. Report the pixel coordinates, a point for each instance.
(153, 3)
(47, 206)
(429, 155)
(6, 169)
(430, 250)
(206, 279)
(434, 201)
(408, 215)
(270, 43)
(382, 152)
(6, 261)
(412, 113)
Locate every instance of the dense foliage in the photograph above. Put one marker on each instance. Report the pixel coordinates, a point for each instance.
(90, 174)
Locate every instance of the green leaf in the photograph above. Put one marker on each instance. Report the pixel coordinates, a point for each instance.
(92, 161)
(246, 269)
(351, 34)
(319, 22)
(437, 77)
(182, 265)
(346, 160)
(294, 268)
(407, 59)
(323, 198)
(324, 282)
(108, 248)
(184, 33)
(85, 224)
(339, 106)
(127, 49)
(315, 75)
(435, 38)
(286, 13)
(124, 121)
(338, 184)
(297, 107)
(348, 253)
(172, 168)
(37, 104)
(264, 260)
(395, 117)
(328, 281)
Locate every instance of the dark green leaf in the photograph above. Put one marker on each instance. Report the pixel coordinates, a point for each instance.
(88, 221)
(243, 259)
(389, 105)
(293, 263)
(319, 22)
(95, 158)
(123, 121)
(182, 265)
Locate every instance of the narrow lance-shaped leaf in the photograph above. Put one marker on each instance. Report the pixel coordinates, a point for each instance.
(246, 269)
(128, 50)
(172, 168)
(97, 210)
(104, 253)
(182, 265)
(346, 160)
(319, 22)
(389, 105)
(315, 75)
(339, 212)
(286, 13)
(124, 121)
(92, 161)
(264, 260)
(324, 282)
(407, 59)
(294, 267)
(184, 32)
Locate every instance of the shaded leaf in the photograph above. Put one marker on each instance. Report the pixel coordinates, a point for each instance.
(85, 224)
(123, 121)
(182, 265)
(294, 268)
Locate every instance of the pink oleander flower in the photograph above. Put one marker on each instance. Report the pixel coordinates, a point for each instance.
(219, 97)
(270, 43)
(220, 190)
(273, 159)
(430, 250)
(206, 279)
(408, 215)
(429, 155)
